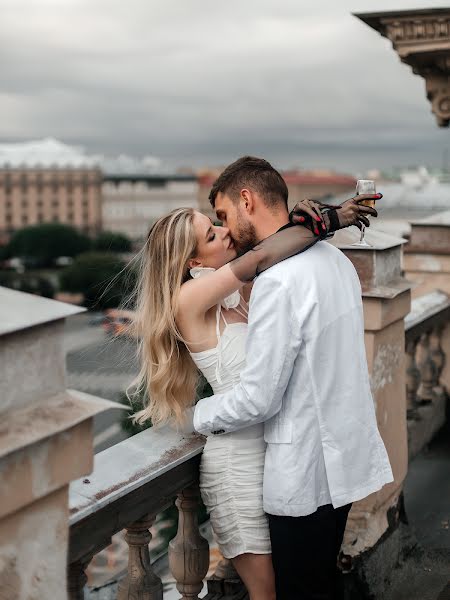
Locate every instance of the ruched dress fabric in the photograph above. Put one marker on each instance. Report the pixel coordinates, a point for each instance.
(232, 465)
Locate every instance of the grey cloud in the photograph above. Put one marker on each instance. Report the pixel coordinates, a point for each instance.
(198, 82)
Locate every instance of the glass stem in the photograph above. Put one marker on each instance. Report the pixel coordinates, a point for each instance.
(363, 232)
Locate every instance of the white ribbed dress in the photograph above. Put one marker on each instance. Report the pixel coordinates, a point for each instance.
(232, 465)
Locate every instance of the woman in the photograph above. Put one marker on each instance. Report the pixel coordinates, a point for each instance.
(191, 316)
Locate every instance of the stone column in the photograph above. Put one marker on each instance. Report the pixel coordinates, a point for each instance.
(427, 255)
(426, 262)
(386, 299)
(46, 440)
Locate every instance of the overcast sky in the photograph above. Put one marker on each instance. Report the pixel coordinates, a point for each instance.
(196, 82)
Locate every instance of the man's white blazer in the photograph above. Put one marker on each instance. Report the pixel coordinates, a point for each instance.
(306, 377)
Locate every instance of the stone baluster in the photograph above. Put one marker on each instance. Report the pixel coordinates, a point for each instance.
(141, 582)
(188, 551)
(76, 578)
(412, 377)
(427, 369)
(438, 357)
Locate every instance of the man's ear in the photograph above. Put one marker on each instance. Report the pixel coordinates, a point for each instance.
(248, 201)
(194, 262)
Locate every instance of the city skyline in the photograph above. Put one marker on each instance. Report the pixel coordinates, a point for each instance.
(304, 86)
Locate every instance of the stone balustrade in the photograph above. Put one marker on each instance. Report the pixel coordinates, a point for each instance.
(138, 478)
(427, 341)
(131, 483)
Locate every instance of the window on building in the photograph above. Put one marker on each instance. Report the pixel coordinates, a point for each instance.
(40, 217)
(40, 204)
(8, 219)
(55, 203)
(55, 219)
(24, 202)
(24, 219)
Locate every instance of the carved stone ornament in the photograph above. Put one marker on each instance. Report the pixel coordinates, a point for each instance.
(421, 38)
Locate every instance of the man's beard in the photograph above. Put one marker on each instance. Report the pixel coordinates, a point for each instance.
(244, 237)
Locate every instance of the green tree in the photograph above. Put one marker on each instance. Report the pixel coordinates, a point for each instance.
(23, 282)
(100, 277)
(4, 253)
(111, 241)
(42, 244)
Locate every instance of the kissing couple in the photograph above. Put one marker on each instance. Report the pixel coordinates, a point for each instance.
(271, 314)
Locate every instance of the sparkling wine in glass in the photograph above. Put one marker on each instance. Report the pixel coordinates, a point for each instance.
(365, 186)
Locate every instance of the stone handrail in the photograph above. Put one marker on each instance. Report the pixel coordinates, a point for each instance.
(425, 329)
(132, 482)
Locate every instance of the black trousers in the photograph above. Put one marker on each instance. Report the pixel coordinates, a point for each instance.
(304, 553)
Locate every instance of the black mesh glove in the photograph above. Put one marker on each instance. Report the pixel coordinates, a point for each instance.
(350, 212)
(309, 213)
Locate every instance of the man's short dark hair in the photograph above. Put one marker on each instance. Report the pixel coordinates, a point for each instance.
(256, 174)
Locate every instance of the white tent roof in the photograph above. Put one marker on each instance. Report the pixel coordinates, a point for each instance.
(50, 152)
(47, 152)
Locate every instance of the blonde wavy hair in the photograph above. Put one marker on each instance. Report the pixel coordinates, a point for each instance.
(168, 375)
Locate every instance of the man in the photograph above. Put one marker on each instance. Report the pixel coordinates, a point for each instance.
(306, 378)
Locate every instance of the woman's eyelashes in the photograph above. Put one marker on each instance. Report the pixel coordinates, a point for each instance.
(212, 238)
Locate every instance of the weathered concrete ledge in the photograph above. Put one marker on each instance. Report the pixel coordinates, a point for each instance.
(46, 440)
(134, 478)
(426, 307)
(27, 310)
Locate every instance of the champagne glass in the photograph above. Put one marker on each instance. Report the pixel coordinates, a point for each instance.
(365, 186)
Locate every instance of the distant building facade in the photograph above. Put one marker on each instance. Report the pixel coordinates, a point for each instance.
(132, 203)
(48, 182)
(29, 196)
(315, 185)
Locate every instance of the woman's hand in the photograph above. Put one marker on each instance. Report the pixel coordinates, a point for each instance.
(308, 213)
(353, 212)
(350, 212)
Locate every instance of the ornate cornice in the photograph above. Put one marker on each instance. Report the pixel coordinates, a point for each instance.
(421, 38)
(424, 30)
